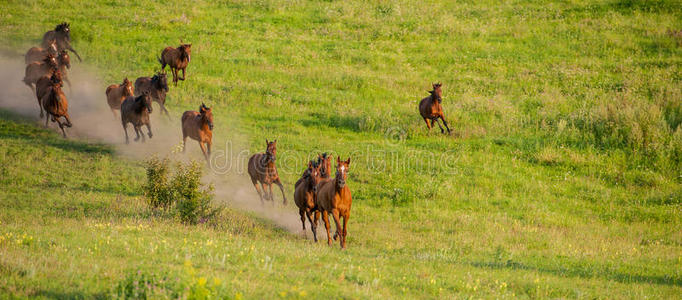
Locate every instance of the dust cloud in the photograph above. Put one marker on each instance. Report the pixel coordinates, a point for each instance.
(94, 122)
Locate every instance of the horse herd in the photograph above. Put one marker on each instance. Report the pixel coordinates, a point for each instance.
(315, 193)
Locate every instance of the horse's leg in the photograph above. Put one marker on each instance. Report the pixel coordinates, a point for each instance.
(325, 218)
(184, 143)
(137, 133)
(313, 226)
(47, 118)
(68, 120)
(272, 197)
(335, 214)
(203, 149)
(183, 74)
(164, 110)
(427, 123)
(175, 76)
(113, 112)
(125, 128)
(302, 213)
(445, 123)
(345, 226)
(265, 193)
(441, 127)
(149, 130)
(281, 188)
(61, 126)
(68, 81)
(260, 195)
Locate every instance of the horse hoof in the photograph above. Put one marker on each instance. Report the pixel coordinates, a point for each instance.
(150, 135)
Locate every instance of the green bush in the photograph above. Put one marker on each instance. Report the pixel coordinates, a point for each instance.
(184, 193)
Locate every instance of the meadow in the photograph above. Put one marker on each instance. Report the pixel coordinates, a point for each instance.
(562, 177)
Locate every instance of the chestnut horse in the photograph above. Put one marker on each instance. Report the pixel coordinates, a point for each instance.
(62, 35)
(324, 161)
(199, 127)
(157, 86)
(56, 106)
(305, 196)
(136, 110)
(117, 93)
(63, 63)
(430, 108)
(43, 86)
(36, 70)
(38, 54)
(262, 169)
(333, 196)
(177, 58)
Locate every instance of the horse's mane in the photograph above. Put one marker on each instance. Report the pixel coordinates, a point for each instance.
(62, 27)
(183, 52)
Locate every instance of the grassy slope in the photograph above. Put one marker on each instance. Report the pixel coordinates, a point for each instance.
(521, 214)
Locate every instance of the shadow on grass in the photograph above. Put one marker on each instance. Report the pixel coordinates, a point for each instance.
(582, 272)
(351, 123)
(14, 126)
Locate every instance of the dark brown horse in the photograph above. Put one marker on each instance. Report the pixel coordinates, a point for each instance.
(262, 169)
(39, 54)
(136, 110)
(157, 86)
(177, 58)
(199, 127)
(62, 35)
(36, 70)
(117, 93)
(44, 85)
(305, 196)
(56, 106)
(63, 63)
(430, 108)
(333, 196)
(324, 161)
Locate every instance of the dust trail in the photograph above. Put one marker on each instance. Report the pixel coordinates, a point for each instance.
(94, 122)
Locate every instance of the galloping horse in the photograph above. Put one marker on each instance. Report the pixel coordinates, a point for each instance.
(117, 93)
(305, 196)
(262, 169)
(43, 87)
(157, 86)
(430, 108)
(199, 127)
(38, 54)
(333, 196)
(35, 70)
(56, 106)
(62, 35)
(136, 110)
(177, 59)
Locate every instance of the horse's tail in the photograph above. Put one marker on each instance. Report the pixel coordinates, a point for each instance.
(109, 88)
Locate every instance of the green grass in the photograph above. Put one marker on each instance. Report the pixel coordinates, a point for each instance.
(561, 179)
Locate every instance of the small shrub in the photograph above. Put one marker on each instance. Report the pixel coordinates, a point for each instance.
(183, 193)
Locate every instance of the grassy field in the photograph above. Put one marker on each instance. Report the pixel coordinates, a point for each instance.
(562, 178)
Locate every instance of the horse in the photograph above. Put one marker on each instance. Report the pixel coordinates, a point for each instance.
(325, 165)
(43, 86)
(63, 63)
(177, 59)
(199, 127)
(35, 70)
(56, 106)
(305, 196)
(38, 54)
(333, 196)
(62, 35)
(117, 93)
(430, 108)
(261, 168)
(157, 86)
(136, 110)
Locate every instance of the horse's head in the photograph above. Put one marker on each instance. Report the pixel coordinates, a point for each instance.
(187, 50)
(161, 80)
(128, 89)
(64, 28)
(437, 93)
(325, 162)
(51, 61)
(65, 59)
(341, 171)
(313, 174)
(146, 99)
(271, 150)
(206, 115)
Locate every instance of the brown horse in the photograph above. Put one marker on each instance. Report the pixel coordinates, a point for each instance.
(305, 196)
(56, 106)
(36, 70)
(136, 110)
(157, 86)
(262, 169)
(324, 161)
(199, 127)
(43, 86)
(38, 54)
(333, 196)
(62, 35)
(117, 93)
(177, 58)
(430, 108)
(64, 62)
